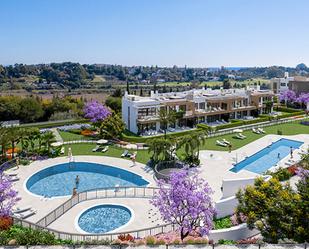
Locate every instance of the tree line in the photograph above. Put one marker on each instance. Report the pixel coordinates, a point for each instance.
(75, 75)
(35, 109)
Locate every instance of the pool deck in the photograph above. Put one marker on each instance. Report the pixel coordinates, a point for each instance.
(46, 205)
(215, 166)
(144, 215)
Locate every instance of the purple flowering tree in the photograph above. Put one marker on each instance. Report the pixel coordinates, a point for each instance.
(186, 202)
(287, 96)
(8, 196)
(303, 98)
(96, 112)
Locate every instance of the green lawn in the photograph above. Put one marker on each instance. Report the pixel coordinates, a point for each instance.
(287, 129)
(68, 136)
(113, 151)
(143, 155)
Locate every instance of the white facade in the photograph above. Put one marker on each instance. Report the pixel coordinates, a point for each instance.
(280, 85)
(141, 114)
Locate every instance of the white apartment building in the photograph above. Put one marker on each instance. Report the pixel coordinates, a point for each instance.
(208, 106)
(280, 85)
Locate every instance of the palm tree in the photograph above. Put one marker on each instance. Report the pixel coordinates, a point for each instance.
(47, 139)
(192, 144)
(14, 135)
(31, 137)
(166, 118)
(4, 140)
(161, 149)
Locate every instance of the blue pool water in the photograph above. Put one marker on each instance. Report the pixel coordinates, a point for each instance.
(104, 218)
(59, 180)
(267, 157)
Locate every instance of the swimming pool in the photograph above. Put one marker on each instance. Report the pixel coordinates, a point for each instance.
(104, 218)
(267, 157)
(59, 180)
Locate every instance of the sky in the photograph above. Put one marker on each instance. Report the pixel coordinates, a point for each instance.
(196, 33)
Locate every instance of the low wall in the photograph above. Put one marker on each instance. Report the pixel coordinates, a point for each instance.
(234, 233)
(226, 207)
(231, 186)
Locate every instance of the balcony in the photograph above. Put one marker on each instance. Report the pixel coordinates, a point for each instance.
(245, 107)
(213, 110)
(147, 119)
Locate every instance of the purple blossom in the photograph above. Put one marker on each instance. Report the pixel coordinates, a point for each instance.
(8, 196)
(303, 98)
(95, 111)
(288, 96)
(186, 202)
(302, 173)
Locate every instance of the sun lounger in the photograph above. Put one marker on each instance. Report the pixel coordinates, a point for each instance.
(96, 148)
(11, 174)
(226, 142)
(14, 178)
(25, 214)
(62, 150)
(105, 149)
(261, 130)
(21, 209)
(221, 143)
(240, 136)
(256, 131)
(125, 153)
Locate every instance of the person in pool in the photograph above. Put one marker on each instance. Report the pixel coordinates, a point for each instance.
(77, 180)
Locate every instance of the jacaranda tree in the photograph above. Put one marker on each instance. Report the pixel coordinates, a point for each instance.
(186, 202)
(96, 112)
(288, 96)
(8, 196)
(303, 99)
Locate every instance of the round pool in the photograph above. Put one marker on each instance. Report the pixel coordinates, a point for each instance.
(60, 180)
(104, 218)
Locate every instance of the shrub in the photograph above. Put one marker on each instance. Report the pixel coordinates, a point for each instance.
(222, 223)
(86, 133)
(5, 223)
(150, 240)
(248, 241)
(293, 169)
(282, 174)
(286, 109)
(126, 237)
(226, 242)
(28, 236)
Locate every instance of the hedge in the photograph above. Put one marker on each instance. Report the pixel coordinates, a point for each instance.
(287, 109)
(54, 124)
(287, 115)
(139, 139)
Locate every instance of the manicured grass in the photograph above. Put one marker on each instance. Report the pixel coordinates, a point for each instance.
(287, 129)
(113, 151)
(143, 155)
(69, 136)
